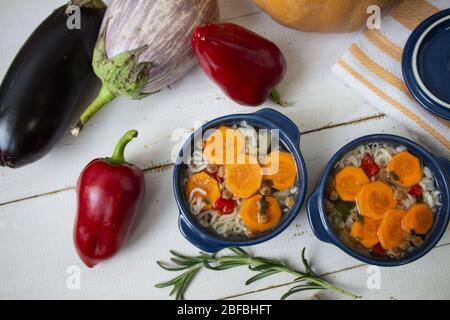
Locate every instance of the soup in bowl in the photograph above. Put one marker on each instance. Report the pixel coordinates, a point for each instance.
(240, 180)
(382, 199)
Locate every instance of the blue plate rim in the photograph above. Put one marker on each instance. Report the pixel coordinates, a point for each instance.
(408, 71)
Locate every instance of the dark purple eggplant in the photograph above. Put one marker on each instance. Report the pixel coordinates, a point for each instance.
(46, 83)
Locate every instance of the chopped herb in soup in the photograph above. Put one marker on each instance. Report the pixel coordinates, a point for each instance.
(381, 200)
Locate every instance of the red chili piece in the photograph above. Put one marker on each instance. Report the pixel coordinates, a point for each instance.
(416, 191)
(378, 250)
(225, 206)
(369, 166)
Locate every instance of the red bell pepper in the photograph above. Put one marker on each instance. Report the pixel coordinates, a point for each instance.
(416, 191)
(245, 65)
(378, 250)
(110, 192)
(369, 166)
(225, 206)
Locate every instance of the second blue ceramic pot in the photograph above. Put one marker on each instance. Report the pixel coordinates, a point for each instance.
(439, 166)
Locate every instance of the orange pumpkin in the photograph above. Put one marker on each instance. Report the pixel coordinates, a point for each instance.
(321, 15)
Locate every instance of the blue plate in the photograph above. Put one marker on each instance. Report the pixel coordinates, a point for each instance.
(426, 64)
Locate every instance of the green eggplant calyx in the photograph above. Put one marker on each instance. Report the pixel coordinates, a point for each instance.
(123, 74)
(92, 4)
(119, 151)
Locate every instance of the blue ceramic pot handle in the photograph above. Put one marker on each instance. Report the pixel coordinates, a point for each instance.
(283, 122)
(193, 237)
(446, 163)
(314, 218)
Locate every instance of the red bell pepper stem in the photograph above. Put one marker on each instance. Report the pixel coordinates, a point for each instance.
(275, 96)
(118, 154)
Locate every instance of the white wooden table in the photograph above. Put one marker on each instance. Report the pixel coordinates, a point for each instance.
(37, 203)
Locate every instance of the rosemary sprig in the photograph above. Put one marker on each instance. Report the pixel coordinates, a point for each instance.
(304, 280)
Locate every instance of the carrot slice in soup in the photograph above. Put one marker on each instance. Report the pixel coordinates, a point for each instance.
(406, 169)
(282, 170)
(419, 218)
(206, 183)
(365, 232)
(349, 182)
(390, 231)
(223, 146)
(374, 199)
(250, 209)
(243, 180)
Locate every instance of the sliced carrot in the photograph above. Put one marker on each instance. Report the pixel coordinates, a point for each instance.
(250, 209)
(223, 146)
(390, 231)
(406, 169)
(419, 218)
(206, 183)
(282, 170)
(349, 182)
(374, 199)
(243, 180)
(365, 232)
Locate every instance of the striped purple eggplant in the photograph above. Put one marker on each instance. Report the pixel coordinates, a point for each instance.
(144, 46)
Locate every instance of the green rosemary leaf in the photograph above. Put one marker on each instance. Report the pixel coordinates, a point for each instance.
(306, 264)
(175, 289)
(260, 276)
(180, 256)
(299, 289)
(223, 266)
(182, 262)
(172, 282)
(261, 267)
(239, 251)
(182, 288)
(307, 280)
(168, 268)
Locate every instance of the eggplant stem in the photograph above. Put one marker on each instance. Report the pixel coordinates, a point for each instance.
(104, 97)
(118, 154)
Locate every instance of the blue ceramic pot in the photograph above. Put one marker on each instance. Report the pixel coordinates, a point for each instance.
(441, 170)
(205, 239)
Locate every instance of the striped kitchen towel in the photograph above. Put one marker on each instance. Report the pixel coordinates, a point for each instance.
(372, 67)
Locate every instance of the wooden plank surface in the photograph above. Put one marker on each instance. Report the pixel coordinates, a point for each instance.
(37, 203)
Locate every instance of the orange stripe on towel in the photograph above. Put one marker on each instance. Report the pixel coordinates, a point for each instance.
(438, 136)
(384, 44)
(410, 13)
(384, 74)
(377, 69)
